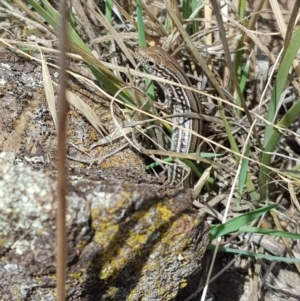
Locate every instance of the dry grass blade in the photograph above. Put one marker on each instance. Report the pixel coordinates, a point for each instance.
(288, 248)
(208, 18)
(201, 182)
(115, 35)
(123, 12)
(281, 24)
(256, 40)
(231, 68)
(86, 111)
(195, 52)
(34, 16)
(293, 195)
(279, 18)
(156, 26)
(291, 25)
(111, 137)
(49, 92)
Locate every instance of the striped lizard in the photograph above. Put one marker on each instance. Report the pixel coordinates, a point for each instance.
(177, 101)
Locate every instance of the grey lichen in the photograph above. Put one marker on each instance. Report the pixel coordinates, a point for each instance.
(125, 241)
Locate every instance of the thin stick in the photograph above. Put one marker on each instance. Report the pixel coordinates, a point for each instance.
(61, 161)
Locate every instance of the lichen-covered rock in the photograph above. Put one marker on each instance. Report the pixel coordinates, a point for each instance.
(125, 241)
(27, 229)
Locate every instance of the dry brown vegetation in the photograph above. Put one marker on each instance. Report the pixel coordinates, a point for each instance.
(109, 132)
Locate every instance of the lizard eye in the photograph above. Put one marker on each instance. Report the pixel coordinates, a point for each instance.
(150, 63)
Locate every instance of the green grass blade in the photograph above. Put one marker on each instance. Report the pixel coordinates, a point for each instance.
(275, 136)
(270, 232)
(242, 75)
(185, 9)
(281, 77)
(108, 10)
(236, 223)
(256, 255)
(140, 24)
(171, 159)
(195, 27)
(54, 13)
(242, 8)
(243, 173)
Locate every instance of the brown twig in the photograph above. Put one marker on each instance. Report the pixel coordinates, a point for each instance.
(61, 161)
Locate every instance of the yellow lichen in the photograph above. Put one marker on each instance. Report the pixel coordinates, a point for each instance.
(166, 213)
(75, 275)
